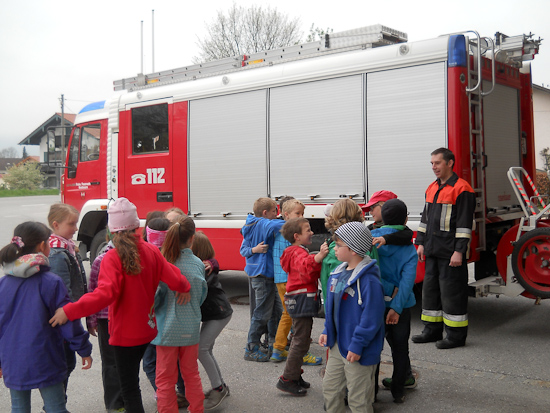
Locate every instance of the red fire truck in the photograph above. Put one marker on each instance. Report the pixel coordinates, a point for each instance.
(354, 113)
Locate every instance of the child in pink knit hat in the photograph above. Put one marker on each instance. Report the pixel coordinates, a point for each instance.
(128, 279)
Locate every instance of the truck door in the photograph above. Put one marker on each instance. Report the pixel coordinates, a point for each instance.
(85, 175)
(147, 157)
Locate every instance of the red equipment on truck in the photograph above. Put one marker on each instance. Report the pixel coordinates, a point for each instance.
(346, 116)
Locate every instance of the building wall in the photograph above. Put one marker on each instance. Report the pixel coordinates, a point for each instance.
(541, 109)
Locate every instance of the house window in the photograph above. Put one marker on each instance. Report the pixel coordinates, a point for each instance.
(150, 129)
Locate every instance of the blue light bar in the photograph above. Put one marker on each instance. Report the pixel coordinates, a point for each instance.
(93, 106)
(457, 51)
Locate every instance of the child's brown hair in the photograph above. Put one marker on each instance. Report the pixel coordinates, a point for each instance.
(291, 227)
(60, 212)
(125, 243)
(181, 231)
(263, 204)
(202, 247)
(26, 237)
(150, 216)
(342, 212)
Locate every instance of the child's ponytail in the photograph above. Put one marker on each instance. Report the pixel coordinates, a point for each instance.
(179, 234)
(26, 237)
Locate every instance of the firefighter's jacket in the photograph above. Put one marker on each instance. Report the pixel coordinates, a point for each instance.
(447, 219)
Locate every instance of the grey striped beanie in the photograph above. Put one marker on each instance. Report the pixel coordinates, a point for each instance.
(356, 236)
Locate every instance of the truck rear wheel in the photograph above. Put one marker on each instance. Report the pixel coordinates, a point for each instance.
(531, 262)
(98, 243)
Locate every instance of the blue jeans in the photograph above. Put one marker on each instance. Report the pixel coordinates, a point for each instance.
(53, 397)
(268, 310)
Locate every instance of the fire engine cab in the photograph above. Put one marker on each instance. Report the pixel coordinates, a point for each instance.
(346, 116)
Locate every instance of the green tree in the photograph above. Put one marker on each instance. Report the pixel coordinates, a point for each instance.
(243, 31)
(26, 176)
(25, 154)
(545, 153)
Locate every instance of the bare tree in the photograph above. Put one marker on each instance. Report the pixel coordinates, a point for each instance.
(10, 152)
(245, 31)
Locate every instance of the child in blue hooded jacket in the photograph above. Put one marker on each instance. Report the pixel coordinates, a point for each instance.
(32, 355)
(354, 323)
(398, 271)
(257, 247)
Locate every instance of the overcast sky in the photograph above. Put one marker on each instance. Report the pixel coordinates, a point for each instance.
(78, 48)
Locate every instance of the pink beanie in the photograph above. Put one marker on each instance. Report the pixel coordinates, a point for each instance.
(122, 216)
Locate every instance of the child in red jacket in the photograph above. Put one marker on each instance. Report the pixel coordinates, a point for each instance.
(301, 299)
(128, 279)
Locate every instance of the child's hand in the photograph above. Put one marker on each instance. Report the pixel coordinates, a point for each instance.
(59, 318)
(351, 357)
(208, 267)
(92, 331)
(392, 318)
(86, 362)
(379, 241)
(183, 298)
(323, 340)
(323, 252)
(261, 248)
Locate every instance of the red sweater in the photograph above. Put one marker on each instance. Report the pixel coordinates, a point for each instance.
(303, 272)
(130, 297)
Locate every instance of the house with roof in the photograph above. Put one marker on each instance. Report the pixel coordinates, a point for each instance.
(52, 164)
(7, 163)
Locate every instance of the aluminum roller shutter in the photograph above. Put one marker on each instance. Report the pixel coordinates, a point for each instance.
(317, 139)
(227, 153)
(502, 144)
(406, 121)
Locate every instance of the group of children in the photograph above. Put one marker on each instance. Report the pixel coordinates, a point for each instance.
(148, 295)
(366, 283)
(140, 293)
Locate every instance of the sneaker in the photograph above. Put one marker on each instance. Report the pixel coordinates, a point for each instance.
(304, 384)
(216, 398)
(410, 383)
(311, 360)
(182, 400)
(291, 386)
(255, 354)
(278, 355)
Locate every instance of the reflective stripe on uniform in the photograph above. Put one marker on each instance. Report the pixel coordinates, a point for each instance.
(422, 227)
(432, 316)
(445, 221)
(463, 233)
(455, 320)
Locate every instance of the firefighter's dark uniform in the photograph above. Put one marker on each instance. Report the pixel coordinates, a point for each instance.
(446, 227)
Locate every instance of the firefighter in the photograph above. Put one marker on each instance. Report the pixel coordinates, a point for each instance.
(443, 239)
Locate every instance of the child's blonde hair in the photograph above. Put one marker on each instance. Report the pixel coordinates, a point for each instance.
(342, 212)
(202, 247)
(291, 205)
(60, 212)
(263, 204)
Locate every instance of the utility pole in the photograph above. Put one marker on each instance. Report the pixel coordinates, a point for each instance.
(153, 31)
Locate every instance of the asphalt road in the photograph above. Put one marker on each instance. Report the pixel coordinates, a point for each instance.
(505, 366)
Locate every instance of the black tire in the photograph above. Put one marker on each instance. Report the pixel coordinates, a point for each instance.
(98, 243)
(531, 262)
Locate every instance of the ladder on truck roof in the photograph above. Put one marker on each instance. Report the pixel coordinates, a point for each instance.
(362, 38)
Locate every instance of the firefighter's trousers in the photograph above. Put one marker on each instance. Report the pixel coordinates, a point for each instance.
(445, 299)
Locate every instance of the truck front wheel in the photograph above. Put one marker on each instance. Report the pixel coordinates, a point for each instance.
(98, 244)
